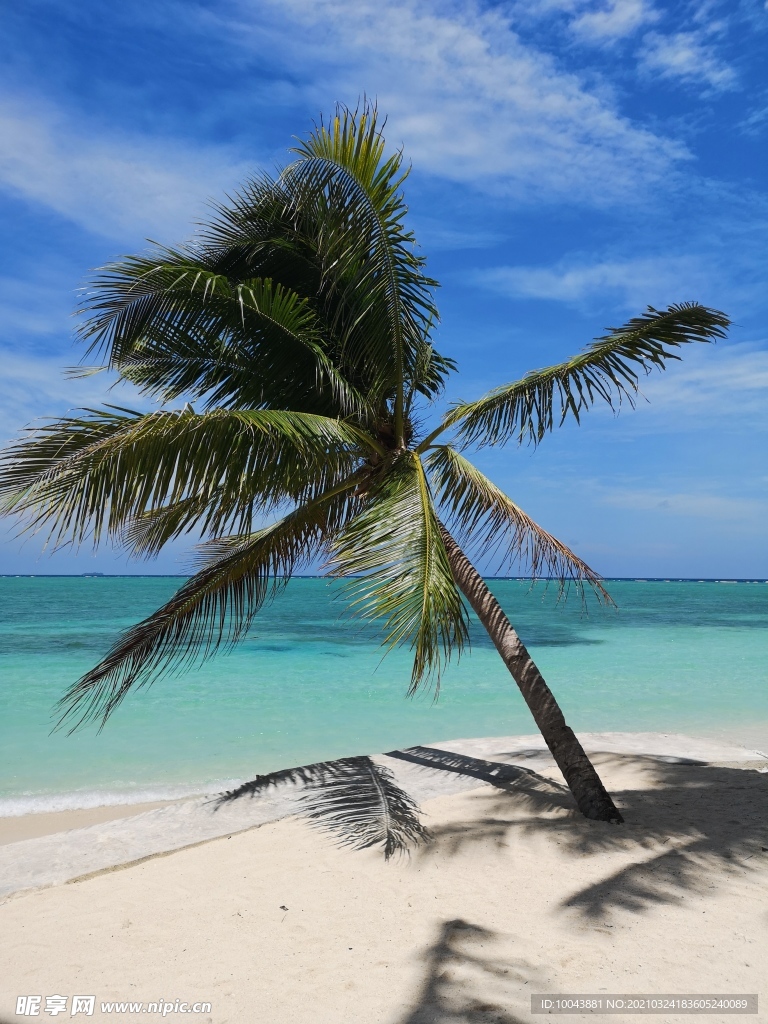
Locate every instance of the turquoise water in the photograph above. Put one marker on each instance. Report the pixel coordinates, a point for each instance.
(309, 683)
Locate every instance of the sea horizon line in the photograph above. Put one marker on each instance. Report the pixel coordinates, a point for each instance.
(304, 576)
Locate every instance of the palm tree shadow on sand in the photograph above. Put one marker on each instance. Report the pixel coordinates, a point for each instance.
(355, 799)
(687, 825)
(360, 803)
(466, 982)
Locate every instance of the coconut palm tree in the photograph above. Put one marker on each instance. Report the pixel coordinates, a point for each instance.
(297, 328)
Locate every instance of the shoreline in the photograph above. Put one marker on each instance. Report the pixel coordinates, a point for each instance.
(104, 837)
(18, 827)
(73, 808)
(514, 893)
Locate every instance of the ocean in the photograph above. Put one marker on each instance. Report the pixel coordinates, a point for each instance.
(311, 683)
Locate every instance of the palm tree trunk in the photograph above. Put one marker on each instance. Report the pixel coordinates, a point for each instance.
(591, 796)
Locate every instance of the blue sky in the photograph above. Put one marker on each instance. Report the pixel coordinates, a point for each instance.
(573, 161)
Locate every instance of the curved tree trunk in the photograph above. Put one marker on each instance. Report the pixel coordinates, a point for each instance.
(591, 796)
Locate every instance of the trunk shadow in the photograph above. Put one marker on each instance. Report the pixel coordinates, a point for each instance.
(466, 982)
(528, 787)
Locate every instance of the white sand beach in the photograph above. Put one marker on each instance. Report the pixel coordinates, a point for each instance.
(515, 894)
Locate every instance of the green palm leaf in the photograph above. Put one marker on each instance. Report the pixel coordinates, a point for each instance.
(481, 515)
(173, 325)
(353, 309)
(212, 609)
(343, 172)
(608, 369)
(395, 548)
(147, 534)
(114, 469)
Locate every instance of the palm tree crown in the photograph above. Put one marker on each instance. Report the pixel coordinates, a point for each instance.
(299, 324)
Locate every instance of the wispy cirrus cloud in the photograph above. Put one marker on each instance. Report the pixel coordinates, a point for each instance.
(598, 22)
(628, 282)
(722, 387)
(34, 384)
(684, 45)
(112, 184)
(35, 306)
(616, 19)
(701, 505)
(620, 283)
(689, 57)
(718, 259)
(756, 120)
(725, 384)
(471, 100)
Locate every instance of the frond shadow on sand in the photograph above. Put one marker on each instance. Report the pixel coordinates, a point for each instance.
(467, 981)
(687, 824)
(526, 787)
(361, 803)
(355, 799)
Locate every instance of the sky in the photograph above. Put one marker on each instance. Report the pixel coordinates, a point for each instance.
(573, 161)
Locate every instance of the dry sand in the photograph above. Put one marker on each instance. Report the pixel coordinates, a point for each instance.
(515, 894)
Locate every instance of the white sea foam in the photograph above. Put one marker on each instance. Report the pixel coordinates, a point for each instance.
(41, 803)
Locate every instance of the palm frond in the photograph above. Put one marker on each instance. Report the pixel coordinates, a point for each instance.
(395, 549)
(608, 370)
(212, 609)
(147, 534)
(354, 798)
(173, 324)
(314, 269)
(430, 373)
(110, 469)
(343, 172)
(482, 516)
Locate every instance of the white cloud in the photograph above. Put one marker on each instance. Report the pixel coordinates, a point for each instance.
(723, 384)
(614, 20)
(756, 120)
(471, 101)
(721, 387)
(687, 56)
(33, 386)
(593, 21)
(435, 235)
(34, 306)
(631, 284)
(115, 185)
(699, 505)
